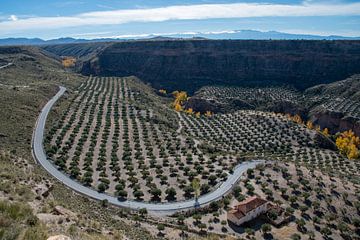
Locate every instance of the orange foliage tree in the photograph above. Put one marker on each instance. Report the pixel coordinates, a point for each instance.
(179, 99)
(296, 118)
(189, 111)
(68, 62)
(309, 124)
(178, 107)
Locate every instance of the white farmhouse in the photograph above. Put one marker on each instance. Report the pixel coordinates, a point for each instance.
(247, 210)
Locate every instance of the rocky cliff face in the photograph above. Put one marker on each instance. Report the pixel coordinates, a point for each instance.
(337, 105)
(336, 121)
(190, 64)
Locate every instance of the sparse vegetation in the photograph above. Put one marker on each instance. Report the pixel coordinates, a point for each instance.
(117, 136)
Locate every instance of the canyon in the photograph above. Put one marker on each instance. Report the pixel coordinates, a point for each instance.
(308, 66)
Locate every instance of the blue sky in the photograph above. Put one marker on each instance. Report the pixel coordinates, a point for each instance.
(119, 18)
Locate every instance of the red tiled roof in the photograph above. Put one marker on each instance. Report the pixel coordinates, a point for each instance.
(249, 204)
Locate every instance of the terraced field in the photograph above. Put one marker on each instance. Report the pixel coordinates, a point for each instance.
(253, 96)
(268, 135)
(118, 137)
(349, 107)
(320, 98)
(130, 154)
(109, 142)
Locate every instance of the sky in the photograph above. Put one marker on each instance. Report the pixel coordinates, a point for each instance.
(50, 19)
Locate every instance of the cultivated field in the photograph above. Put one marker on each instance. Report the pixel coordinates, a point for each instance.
(254, 96)
(349, 107)
(118, 137)
(318, 206)
(335, 97)
(270, 136)
(122, 137)
(109, 141)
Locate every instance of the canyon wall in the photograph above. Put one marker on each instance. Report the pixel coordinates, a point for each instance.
(190, 64)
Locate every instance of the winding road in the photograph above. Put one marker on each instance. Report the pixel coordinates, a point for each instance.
(162, 208)
(6, 65)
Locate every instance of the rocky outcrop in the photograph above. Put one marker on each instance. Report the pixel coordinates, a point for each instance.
(336, 121)
(65, 212)
(287, 107)
(347, 123)
(59, 237)
(190, 64)
(203, 105)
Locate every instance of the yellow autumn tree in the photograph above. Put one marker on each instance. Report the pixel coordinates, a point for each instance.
(178, 107)
(309, 124)
(348, 144)
(189, 111)
(296, 118)
(353, 152)
(208, 113)
(326, 132)
(179, 99)
(197, 115)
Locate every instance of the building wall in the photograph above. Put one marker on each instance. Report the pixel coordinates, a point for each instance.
(249, 216)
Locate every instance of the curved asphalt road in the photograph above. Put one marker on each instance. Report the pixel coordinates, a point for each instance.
(6, 65)
(40, 156)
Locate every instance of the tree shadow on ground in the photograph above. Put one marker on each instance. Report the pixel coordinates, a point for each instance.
(253, 224)
(268, 236)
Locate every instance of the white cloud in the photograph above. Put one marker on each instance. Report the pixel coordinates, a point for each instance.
(67, 3)
(187, 12)
(91, 34)
(13, 18)
(104, 6)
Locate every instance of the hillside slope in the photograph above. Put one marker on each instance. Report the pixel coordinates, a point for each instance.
(337, 105)
(24, 87)
(39, 205)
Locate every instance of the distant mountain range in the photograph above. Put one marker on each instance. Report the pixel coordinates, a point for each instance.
(234, 34)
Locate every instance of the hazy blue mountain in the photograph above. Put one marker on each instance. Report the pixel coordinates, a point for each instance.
(21, 41)
(235, 34)
(252, 34)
